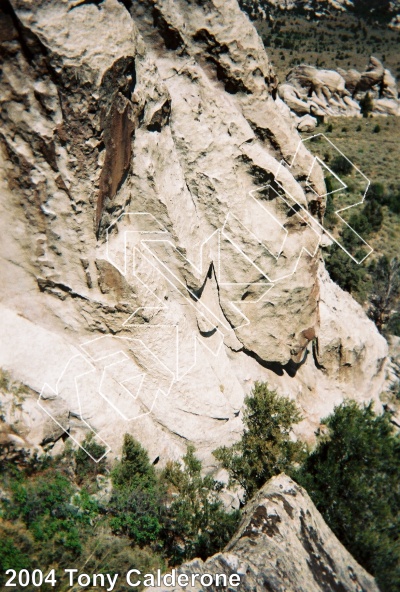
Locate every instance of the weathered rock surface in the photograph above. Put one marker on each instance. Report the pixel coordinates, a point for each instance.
(283, 543)
(159, 244)
(308, 90)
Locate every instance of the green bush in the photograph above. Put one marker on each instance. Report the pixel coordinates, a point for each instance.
(330, 217)
(342, 269)
(341, 165)
(266, 447)
(393, 326)
(152, 519)
(195, 523)
(369, 220)
(384, 298)
(177, 512)
(376, 191)
(86, 469)
(136, 513)
(345, 272)
(43, 503)
(16, 548)
(390, 198)
(367, 105)
(136, 504)
(135, 469)
(353, 478)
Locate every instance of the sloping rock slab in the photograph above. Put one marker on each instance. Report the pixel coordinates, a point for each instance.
(282, 545)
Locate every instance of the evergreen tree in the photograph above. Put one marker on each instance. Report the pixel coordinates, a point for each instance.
(353, 478)
(385, 296)
(367, 105)
(266, 447)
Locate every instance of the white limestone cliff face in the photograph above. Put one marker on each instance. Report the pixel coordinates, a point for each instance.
(159, 240)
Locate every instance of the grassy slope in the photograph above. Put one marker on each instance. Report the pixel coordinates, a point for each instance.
(377, 155)
(340, 41)
(344, 41)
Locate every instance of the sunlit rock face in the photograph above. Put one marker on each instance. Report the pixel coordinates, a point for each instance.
(282, 543)
(160, 228)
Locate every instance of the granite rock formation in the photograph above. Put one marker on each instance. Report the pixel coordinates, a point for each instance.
(283, 544)
(160, 225)
(309, 90)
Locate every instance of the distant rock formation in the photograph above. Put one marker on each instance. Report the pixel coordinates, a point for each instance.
(283, 543)
(309, 90)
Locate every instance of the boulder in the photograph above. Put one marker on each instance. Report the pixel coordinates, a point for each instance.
(372, 76)
(282, 543)
(339, 93)
(307, 124)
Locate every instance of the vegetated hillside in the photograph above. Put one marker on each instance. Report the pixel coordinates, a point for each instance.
(372, 145)
(68, 510)
(337, 41)
(372, 151)
(368, 9)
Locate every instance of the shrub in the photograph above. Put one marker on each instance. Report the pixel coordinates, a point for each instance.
(135, 469)
(367, 105)
(329, 217)
(376, 191)
(15, 547)
(369, 220)
(344, 271)
(136, 505)
(373, 212)
(376, 129)
(341, 165)
(196, 523)
(353, 478)
(385, 294)
(137, 514)
(43, 504)
(266, 447)
(393, 326)
(86, 469)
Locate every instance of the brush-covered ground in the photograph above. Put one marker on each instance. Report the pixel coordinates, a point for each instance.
(337, 41)
(373, 146)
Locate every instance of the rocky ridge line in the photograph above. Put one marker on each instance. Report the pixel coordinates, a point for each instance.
(283, 544)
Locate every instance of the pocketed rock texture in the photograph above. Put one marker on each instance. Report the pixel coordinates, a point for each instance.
(160, 225)
(282, 544)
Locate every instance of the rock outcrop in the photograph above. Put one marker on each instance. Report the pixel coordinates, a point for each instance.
(308, 90)
(283, 544)
(160, 224)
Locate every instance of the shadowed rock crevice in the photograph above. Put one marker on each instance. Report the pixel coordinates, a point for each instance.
(171, 36)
